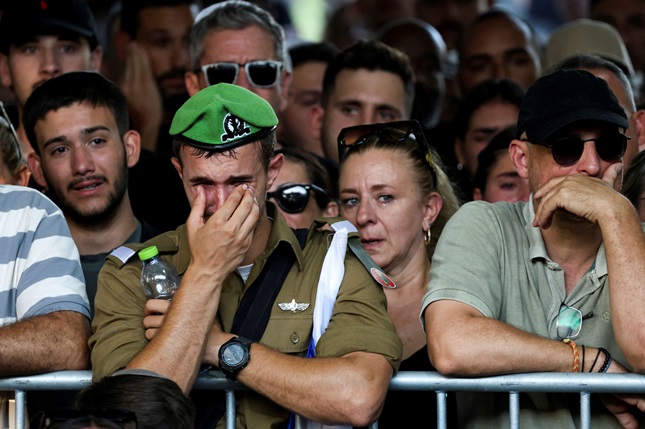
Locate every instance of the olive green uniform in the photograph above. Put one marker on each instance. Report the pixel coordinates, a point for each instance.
(359, 321)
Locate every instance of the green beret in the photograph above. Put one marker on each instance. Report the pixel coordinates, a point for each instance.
(223, 117)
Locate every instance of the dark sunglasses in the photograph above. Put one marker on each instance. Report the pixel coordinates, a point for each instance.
(567, 151)
(390, 133)
(293, 197)
(261, 74)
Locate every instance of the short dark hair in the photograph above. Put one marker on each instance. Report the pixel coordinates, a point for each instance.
(130, 10)
(489, 90)
(157, 402)
(71, 88)
(488, 157)
(304, 53)
(92, 421)
(371, 55)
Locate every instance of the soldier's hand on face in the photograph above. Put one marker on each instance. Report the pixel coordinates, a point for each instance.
(218, 244)
(139, 86)
(588, 197)
(156, 310)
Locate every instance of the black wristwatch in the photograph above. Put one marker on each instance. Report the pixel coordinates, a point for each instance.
(234, 355)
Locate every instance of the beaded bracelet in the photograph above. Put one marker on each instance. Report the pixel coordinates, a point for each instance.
(576, 356)
(605, 366)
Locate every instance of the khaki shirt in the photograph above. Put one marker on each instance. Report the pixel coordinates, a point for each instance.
(359, 321)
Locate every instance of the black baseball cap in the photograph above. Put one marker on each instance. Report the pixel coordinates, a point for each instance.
(565, 97)
(24, 19)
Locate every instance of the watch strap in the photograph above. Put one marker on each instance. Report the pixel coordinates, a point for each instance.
(231, 371)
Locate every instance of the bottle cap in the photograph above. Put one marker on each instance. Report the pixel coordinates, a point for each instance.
(148, 252)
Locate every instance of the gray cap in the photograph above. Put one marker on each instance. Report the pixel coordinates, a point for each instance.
(586, 36)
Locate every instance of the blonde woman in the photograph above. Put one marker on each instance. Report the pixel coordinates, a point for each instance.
(394, 190)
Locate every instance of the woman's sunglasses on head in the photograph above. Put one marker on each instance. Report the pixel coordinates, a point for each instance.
(293, 197)
(393, 133)
(261, 74)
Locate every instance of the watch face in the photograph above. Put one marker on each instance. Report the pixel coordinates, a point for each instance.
(233, 354)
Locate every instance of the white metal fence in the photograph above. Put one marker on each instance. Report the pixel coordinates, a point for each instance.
(584, 384)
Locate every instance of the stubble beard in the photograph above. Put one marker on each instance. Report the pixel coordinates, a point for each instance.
(93, 217)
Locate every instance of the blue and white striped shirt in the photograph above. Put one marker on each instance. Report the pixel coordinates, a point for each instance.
(40, 269)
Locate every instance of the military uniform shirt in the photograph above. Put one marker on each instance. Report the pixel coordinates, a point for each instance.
(359, 321)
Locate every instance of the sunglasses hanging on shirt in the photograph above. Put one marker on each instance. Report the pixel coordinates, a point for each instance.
(569, 322)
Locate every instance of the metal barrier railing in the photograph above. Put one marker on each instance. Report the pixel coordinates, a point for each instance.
(585, 384)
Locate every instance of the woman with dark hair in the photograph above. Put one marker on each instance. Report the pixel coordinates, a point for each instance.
(302, 191)
(484, 111)
(395, 191)
(497, 178)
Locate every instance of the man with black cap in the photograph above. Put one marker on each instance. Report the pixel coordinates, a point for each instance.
(524, 287)
(41, 39)
(246, 299)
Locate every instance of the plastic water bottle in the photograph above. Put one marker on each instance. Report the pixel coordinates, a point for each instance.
(159, 279)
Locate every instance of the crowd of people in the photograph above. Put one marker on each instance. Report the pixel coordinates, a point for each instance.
(434, 186)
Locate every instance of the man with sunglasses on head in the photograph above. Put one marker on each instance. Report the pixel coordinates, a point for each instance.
(554, 284)
(247, 296)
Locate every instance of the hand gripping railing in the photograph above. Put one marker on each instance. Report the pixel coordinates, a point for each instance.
(585, 384)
